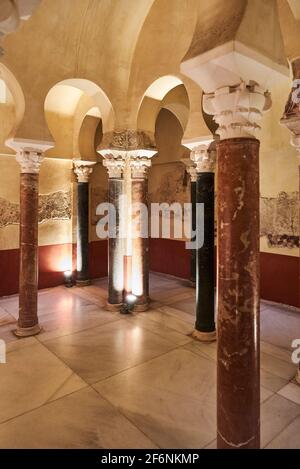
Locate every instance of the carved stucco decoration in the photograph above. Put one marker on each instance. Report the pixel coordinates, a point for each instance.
(291, 115)
(54, 206)
(128, 140)
(279, 219)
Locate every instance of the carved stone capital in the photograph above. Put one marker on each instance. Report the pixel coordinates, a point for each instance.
(204, 159)
(83, 170)
(190, 168)
(127, 140)
(115, 164)
(291, 115)
(139, 166)
(237, 109)
(29, 153)
(29, 160)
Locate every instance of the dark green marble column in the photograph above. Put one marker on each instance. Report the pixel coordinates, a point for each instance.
(205, 256)
(82, 170)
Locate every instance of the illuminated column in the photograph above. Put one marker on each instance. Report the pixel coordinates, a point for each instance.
(291, 119)
(115, 167)
(205, 330)
(140, 243)
(83, 169)
(30, 155)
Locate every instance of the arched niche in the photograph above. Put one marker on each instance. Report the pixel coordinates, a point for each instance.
(168, 137)
(166, 92)
(71, 104)
(12, 106)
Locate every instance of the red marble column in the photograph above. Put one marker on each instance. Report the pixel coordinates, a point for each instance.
(238, 399)
(28, 281)
(238, 111)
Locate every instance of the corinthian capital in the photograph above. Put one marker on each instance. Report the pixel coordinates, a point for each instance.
(30, 161)
(139, 166)
(204, 159)
(83, 170)
(291, 115)
(115, 164)
(237, 109)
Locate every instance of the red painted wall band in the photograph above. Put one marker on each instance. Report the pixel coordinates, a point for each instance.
(53, 261)
(279, 274)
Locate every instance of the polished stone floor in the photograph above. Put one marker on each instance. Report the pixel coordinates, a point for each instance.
(96, 379)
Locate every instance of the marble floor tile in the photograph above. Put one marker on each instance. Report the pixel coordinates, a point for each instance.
(166, 319)
(103, 351)
(265, 394)
(97, 295)
(211, 445)
(56, 299)
(160, 328)
(170, 402)
(280, 326)
(31, 377)
(187, 305)
(271, 382)
(276, 366)
(292, 392)
(208, 350)
(67, 322)
(276, 413)
(288, 438)
(177, 313)
(80, 420)
(277, 352)
(7, 324)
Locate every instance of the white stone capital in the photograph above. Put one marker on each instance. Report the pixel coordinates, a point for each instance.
(29, 160)
(83, 170)
(114, 162)
(29, 153)
(190, 168)
(203, 159)
(237, 109)
(139, 166)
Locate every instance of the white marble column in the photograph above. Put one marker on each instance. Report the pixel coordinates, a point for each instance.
(139, 166)
(115, 165)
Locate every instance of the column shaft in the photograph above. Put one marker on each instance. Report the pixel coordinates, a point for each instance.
(238, 389)
(28, 280)
(140, 247)
(83, 233)
(115, 248)
(205, 321)
(193, 251)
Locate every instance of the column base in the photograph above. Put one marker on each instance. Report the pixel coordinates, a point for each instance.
(140, 308)
(204, 336)
(113, 306)
(298, 376)
(27, 331)
(83, 283)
